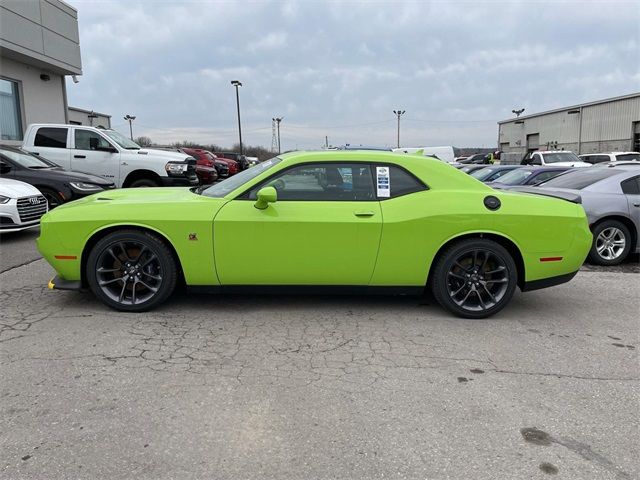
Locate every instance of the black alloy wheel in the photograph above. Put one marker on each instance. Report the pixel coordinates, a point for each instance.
(53, 198)
(131, 271)
(474, 278)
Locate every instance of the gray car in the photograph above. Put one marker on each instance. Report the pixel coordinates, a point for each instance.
(611, 198)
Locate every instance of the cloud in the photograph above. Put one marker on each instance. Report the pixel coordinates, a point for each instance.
(339, 68)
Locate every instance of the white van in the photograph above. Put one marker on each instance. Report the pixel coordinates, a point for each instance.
(446, 154)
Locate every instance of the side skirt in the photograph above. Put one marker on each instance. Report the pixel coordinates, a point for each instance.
(306, 290)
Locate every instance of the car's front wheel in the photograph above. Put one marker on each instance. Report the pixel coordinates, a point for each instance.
(131, 270)
(611, 243)
(474, 278)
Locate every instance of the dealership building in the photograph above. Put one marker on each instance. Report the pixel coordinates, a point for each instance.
(39, 54)
(603, 126)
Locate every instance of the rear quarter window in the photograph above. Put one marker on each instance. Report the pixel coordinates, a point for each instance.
(402, 182)
(51, 137)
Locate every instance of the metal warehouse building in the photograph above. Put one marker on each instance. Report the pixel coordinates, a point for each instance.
(604, 126)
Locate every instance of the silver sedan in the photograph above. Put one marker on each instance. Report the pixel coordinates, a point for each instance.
(611, 198)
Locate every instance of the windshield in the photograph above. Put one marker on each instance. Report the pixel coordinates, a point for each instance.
(580, 178)
(121, 140)
(561, 157)
(482, 173)
(514, 177)
(220, 189)
(27, 160)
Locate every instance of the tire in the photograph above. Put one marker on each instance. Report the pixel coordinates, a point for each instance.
(53, 198)
(131, 271)
(474, 278)
(144, 182)
(611, 243)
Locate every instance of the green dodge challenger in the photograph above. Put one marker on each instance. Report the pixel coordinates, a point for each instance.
(338, 221)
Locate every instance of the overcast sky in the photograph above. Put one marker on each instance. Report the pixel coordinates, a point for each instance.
(340, 68)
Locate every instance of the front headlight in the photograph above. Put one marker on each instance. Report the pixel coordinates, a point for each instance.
(85, 187)
(4, 199)
(175, 168)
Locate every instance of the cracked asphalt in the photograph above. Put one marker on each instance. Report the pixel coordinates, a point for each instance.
(318, 388)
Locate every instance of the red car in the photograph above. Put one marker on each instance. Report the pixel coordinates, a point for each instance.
(209, 160)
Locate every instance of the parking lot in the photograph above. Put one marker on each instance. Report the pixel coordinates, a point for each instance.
(326, 387)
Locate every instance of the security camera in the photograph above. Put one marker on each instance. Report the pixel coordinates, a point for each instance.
(75, 78)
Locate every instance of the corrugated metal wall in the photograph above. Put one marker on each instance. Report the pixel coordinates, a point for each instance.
(605, 127)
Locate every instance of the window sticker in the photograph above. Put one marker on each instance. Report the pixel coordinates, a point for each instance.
(384, 187)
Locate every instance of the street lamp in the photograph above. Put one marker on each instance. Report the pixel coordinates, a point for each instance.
(130, 118)
(518, 112)
(398, 113)
(237, 84)
(278, 120)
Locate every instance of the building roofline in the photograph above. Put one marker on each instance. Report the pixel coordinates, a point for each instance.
(580, 105)
(82, 110)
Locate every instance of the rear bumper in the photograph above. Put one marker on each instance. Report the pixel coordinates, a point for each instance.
(59, 283)
(179, 181)
(548, 282)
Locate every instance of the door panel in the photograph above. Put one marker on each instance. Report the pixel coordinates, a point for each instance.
(85, 157)
(297, 242)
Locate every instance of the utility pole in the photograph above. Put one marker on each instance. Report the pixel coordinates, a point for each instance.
(91, 116)
(130, 119)
(398, 113)
(237, 84)
(278, 120)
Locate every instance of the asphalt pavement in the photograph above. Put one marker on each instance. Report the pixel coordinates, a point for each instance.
(317, 388)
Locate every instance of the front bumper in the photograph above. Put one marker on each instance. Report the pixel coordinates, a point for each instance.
(179, 181)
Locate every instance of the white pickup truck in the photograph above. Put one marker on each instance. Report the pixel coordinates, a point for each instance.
(109, 154)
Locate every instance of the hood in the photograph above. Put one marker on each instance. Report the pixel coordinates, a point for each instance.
(166, 154)
(15, 189)
(72, 176)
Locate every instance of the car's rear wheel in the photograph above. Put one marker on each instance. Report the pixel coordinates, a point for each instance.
(611, 243)
(131, 270)
(474, 278)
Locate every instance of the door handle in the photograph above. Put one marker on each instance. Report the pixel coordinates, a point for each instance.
(636, 204)
(124, 163)
(364, 214)
(79, 156)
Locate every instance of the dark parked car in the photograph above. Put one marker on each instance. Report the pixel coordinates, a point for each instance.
(242, 161)
(56, 184)
(476, 158)
(527, 176)
(205, 165)
(493, 172)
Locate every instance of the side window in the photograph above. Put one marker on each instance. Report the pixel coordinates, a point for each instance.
(88, 140)
(51, 137)
(601, 158)
(328, 182)
(401, 183)
(631, 186)
(536, 160)
(544, 176)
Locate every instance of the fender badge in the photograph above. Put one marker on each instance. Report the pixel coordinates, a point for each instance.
(193, 236)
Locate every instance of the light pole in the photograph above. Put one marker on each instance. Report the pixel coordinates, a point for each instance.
(130, 119)
(278, 120)
(398, 113)
(237, 84)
